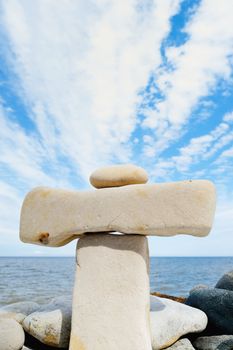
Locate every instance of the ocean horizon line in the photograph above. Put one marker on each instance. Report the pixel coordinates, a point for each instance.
(151, 256)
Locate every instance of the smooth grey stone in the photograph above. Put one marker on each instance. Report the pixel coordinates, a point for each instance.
(182, 344)
(218, 306)
(198, 286)
(221, 342)
(226, 281)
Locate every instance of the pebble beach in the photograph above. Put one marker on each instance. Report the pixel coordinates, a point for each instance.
(33, 314)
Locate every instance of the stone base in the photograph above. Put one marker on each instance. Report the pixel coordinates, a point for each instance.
(111, 294)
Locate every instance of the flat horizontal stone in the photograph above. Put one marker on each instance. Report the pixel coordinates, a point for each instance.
(54, 217)
(118, 175)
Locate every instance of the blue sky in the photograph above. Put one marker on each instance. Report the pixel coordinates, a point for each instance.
(90, 83)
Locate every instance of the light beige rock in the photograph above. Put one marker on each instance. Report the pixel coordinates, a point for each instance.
(11, 335)
(18, 311)
(182, 344)
(51, 323)
(54, 217)
(170, 320)
(118, 175)
(111, 294)
(17, 316)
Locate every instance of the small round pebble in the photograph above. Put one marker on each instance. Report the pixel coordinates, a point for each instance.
(118, 175)
(11, 335)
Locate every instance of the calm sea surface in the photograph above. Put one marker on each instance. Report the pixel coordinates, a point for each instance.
(40, 279)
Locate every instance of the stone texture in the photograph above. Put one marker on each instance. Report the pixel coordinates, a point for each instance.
(226, 281)
(111, 294)
(218, 306)
(118, 175)
(18, 311)
(11, 335)
(170, 320)
(198, 286)
(54, 217)
(34, 344)
(51, 323)
(182, 344)
(220, 342)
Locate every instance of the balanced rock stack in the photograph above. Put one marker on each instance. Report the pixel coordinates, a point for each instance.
(111, 294)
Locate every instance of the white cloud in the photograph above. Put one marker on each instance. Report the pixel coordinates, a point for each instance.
(197, 67)
(198, 149)
(228, 117)
(223, 141)
(81, 70)
(9, 208)
(23, 155)
(202, 147)
(228, 153)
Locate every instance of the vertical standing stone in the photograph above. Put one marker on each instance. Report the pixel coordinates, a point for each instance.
(111, 294)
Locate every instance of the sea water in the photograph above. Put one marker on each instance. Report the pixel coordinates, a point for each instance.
(41, 279)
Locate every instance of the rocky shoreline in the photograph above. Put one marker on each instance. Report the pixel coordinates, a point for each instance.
(203, 321)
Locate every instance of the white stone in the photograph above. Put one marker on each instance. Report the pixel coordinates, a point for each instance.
(54, 217)
(17, 316)
(118, 175)
(182, 344)
(11, 335)
(18, 311)
(111, 294)
(170, 320)
(51, 323)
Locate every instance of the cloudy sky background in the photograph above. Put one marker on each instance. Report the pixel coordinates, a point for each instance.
(90, 83)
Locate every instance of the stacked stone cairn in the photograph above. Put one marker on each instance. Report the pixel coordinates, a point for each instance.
(111, 308)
